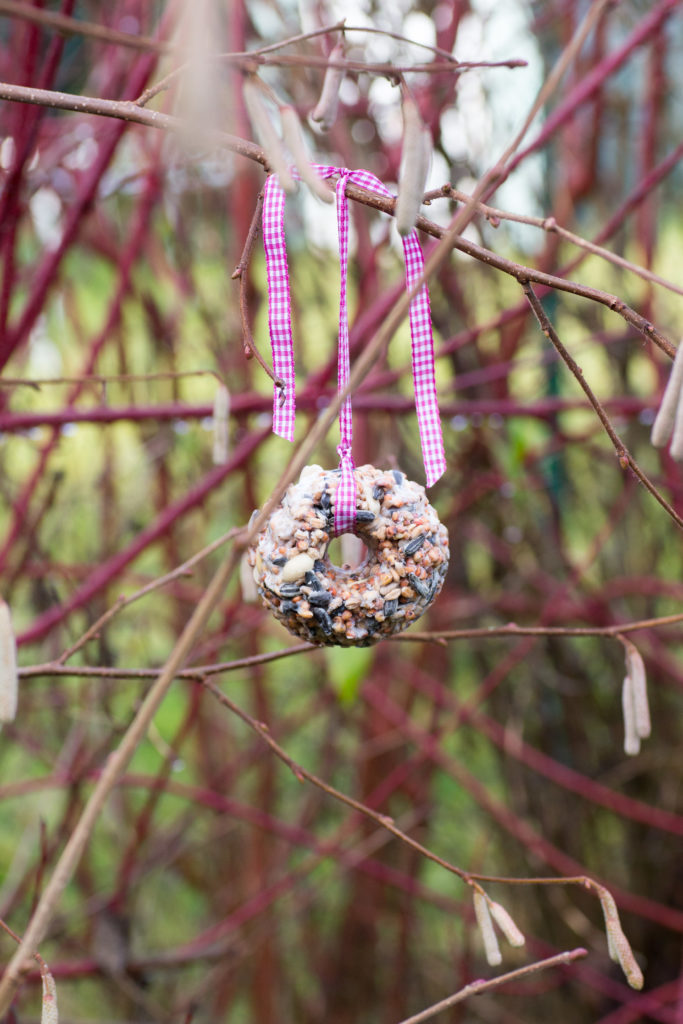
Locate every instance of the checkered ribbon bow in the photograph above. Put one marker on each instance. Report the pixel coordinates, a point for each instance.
(280, 324)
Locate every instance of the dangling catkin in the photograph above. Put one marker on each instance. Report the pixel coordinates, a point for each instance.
(9, 680)
(635, 668)
(294, 140)
(267, 136)
(488, 934)
(666, 416)
(506, 924)
(676, 446)
(324, 114)
(631, 738)
(619, 947)
(416, 155)
(49, 1013)
(221, 412)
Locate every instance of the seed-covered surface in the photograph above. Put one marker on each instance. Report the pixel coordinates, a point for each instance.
(402, 574)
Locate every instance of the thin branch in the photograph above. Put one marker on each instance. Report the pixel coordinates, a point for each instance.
(124, 110)
(550, 225)
(450, 237)
(513, 630)
(195, 674)
(113, 769)
(475, 988)
(240, 271)
(300, 773)
(58, 668)
(109, 378)
(625, 458)
(161, 581)
(75, 27)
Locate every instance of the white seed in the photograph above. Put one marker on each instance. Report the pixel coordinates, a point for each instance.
(221, 412)
(9, 680)
(667, 414)
(294, 140)
(416, 156)
(323, 116)
(506, 924)
(267, 136)
(296, 568)
(310, 475)
(631, 738)
(488, 935)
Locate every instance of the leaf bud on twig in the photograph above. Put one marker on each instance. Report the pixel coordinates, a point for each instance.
(619, 947)
(416, 155)
(265, 130)
(670, 412)
(294, 140)
(488, 934)
(506, 924)
(324, 114)
(9, 680)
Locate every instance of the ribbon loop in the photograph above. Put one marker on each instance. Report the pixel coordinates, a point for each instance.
(345, 503)
(345, 498)
(279, 322)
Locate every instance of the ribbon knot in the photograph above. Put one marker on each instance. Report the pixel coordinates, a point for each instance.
(280, 326)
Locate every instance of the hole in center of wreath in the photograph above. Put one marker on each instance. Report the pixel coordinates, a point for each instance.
(347, 553)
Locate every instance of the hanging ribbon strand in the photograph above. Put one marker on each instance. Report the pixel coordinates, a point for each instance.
(345, 502)
(279, 320)
(279, 306)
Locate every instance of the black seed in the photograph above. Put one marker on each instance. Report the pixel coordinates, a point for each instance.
(325, 500)
(365, 516)
(280, 561)
(433, 586)
(377, 492)
(372, 625)
(418, 586)
(414, 545)
(319, 597)
(324, 620)
(287, 607)
(390, 608)
(398, 476)
(289, 589)
(312, 580)
(319, 566)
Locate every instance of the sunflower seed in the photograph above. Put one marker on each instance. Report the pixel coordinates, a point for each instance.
(414, 545)
(418, 586)
(324, 620)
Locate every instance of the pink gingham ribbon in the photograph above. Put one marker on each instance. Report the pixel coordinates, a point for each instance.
(279, 321)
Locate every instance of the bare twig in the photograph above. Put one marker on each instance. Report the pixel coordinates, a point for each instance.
(450, 237)
(240, 272)
(550, 225)
(475, 988)
(626, 460)
(75, 27)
